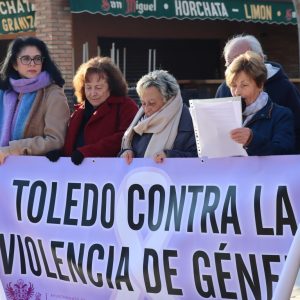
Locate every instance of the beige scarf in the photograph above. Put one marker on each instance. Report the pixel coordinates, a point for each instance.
(163, 125)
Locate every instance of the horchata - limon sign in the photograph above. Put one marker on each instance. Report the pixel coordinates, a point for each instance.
(16, 16)
(231, 10)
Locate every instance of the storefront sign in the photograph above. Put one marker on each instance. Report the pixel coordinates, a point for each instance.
(230, 10)
(16, 16)
(189, 228)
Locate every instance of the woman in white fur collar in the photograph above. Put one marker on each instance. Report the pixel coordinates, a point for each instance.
(163, 126)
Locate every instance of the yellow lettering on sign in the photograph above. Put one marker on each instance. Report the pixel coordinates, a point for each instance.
(22, 23)
(255, 11)
(10, 24)
(247, 15)
(258, 12)
(31, 21)
(268, 12)
(17, 24)
(4, 25)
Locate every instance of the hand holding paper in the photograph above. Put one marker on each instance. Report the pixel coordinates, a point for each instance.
(241, 135)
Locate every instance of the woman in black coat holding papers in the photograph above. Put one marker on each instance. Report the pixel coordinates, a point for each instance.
(268, 128)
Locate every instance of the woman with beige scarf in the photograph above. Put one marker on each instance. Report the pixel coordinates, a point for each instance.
(163, 126)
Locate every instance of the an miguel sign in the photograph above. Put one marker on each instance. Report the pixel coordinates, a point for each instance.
(234, 10)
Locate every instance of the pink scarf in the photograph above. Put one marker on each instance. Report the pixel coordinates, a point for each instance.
(13, 113)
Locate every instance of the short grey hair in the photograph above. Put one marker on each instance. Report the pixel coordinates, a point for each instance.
(162, 80)
(251, 40)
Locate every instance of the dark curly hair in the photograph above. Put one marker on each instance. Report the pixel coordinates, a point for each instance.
(7, 70)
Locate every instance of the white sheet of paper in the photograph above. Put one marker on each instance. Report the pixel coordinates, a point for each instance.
(213, 120)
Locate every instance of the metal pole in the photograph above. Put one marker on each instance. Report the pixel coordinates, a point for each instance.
(118, 58)
(124, 62)
(112, 52)
(149, 60)
(290, 270)
(87, 51)
(83, 52)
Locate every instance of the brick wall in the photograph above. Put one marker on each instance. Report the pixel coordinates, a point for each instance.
(54, 27)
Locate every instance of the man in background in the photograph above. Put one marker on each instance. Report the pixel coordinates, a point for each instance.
(278, 85)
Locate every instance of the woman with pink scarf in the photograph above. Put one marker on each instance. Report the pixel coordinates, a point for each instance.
(34, 111)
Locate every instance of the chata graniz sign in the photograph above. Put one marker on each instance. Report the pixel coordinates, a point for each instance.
(16, 16)
(233, 10)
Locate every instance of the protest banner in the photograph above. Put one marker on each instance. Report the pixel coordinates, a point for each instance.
(185, 229)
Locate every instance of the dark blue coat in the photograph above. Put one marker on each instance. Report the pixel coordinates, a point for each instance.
(282, 92)
(273, 131)
(184, 144)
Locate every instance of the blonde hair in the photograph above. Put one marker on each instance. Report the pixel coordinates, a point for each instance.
(252, 64)
(104, 68)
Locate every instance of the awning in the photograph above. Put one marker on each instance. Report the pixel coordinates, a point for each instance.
(230, 10)
(16, 16)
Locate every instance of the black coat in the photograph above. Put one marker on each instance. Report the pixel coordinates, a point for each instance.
(273, 131)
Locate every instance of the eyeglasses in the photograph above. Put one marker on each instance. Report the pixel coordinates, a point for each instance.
(26, 59)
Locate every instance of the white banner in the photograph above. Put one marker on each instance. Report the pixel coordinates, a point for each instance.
(185, 229)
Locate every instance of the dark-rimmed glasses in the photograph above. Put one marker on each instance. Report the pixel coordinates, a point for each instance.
(26, 59)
